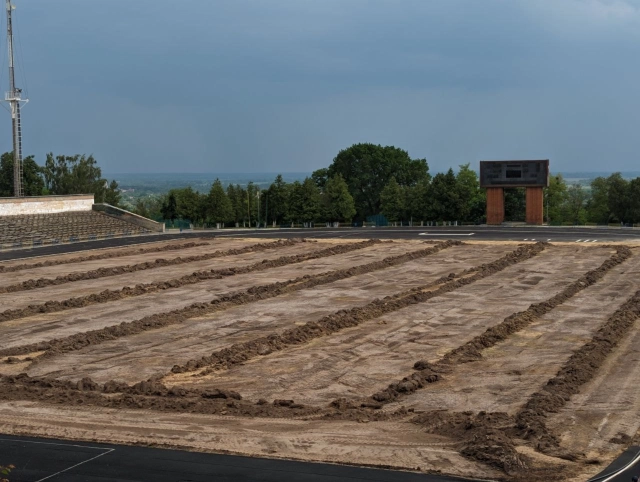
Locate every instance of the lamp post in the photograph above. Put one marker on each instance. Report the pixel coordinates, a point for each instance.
(258, 196)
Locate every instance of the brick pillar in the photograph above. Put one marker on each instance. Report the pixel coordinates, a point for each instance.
(495, 205)
(535, 205)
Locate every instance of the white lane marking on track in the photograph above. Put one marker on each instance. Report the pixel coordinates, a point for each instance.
(446, 234)
(106, 451)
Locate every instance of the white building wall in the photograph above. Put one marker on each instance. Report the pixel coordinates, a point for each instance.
(45, 204)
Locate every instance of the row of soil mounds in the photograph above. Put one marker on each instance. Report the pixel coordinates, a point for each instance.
(581, 367)
(490, 438)
(427, 373)
(132, 268)
(193, 278)
(153, 395)
(342, 319)
(105, 255)
(253, 294)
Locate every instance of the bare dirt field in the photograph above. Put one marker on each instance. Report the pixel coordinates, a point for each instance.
(491, 360)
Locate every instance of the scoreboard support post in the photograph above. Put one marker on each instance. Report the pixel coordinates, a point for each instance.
(535, 209)
(495, 205)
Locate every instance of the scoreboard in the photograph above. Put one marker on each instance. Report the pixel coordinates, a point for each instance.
(514, 173)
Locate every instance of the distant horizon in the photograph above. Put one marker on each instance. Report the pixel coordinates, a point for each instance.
(289, 173)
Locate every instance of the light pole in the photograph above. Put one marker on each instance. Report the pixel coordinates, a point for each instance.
(258, 196)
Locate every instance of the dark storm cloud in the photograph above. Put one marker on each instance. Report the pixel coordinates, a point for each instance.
(240, 85)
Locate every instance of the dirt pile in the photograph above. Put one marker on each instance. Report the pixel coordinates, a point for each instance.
(107, 255)
(333, 323)
(193, 278)
(581, 367)
(132, 268)
(149, 394)
(153, 395)
(480, 436)
(253, 294)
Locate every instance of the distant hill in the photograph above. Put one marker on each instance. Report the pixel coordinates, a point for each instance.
(162, 182)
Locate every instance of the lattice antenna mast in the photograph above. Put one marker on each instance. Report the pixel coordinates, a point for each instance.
(14, 98)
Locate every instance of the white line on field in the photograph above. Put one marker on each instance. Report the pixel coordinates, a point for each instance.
(447, 234)
(106, 451)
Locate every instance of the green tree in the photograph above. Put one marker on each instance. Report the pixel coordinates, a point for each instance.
(169, 208)
(634, 201)
(555, 199)
(339, 204)
(79, 174)
(471, 200)
(305, 203)
(320, 177)
(33, 182)
(252, 203)
(392, 201)
(219, 207)
(112, 194)
(574, 206)
(442, 198)
(238, 198)
(189, 204)
(366, 168)
(140, 208)
(598, 203)
(278, 198)
(417, 201)
(618, 197)
(514, 204)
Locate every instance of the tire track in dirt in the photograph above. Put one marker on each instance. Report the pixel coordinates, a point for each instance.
(33, 284)
(193, 278)
(427, 373)
(327, 325)
(107, 255)
(252, 294)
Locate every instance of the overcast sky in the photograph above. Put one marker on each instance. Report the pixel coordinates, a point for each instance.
(283, 85)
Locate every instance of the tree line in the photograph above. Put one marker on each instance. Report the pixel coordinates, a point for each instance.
(280, 203)
(364, 182)
(60, 175)
(367, 181)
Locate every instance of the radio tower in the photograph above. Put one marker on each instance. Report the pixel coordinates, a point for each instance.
(14, 98)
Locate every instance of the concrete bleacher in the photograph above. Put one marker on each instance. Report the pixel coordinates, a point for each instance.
(64, 227)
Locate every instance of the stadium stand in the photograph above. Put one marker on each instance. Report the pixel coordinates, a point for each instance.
(54, 228)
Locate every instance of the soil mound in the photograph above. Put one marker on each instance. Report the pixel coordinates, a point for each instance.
(107, 255)
(132, 268)
(193, 278)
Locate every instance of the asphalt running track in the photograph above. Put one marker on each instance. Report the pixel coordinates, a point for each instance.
(480, 233)
(39, 460)
(622, 469)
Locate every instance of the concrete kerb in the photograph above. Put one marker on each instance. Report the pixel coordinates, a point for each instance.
(129, 217)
